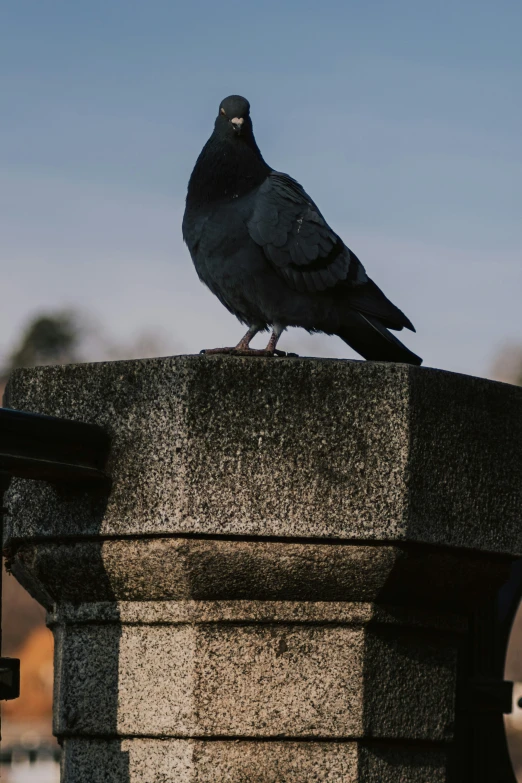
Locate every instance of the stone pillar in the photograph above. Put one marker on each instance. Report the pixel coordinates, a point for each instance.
(277, 585)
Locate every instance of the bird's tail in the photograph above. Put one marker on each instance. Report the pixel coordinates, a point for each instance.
(373, 341)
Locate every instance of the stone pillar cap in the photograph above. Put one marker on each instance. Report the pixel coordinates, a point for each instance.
(284, 448)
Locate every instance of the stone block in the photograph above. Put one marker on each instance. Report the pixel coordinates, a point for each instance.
(210, 569)
(288, 448)
(247, 669)
(200, 761)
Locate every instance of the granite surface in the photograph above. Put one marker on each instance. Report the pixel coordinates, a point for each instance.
(168, 568)
(276, 586)
(286, 448)
(197, 761)
(351, 677)
(321, 613)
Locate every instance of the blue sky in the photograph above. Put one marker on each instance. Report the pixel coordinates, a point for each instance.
(402, 119)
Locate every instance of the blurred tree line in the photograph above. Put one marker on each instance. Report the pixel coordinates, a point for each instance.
(507, 366)
(68, 336)
(47, 339)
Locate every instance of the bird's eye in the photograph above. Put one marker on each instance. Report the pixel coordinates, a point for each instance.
(222, 111)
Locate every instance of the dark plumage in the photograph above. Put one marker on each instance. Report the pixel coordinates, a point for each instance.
(263, 248)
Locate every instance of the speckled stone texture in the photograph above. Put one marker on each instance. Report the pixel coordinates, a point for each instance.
(193, 761)
(276, 587)
(286, 447)
(254, 677)
(163, 569)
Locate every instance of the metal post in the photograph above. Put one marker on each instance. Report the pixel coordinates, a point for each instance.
(483, 696)
(9, 667)
(51, 449)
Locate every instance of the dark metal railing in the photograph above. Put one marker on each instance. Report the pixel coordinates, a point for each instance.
(47, 449)
(481, 752)
(51, 449)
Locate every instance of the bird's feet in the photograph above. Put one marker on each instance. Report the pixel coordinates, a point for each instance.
(247, 352)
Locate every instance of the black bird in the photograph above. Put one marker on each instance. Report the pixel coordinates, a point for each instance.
(263, 248)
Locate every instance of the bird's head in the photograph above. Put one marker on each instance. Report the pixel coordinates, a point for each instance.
(234, 116)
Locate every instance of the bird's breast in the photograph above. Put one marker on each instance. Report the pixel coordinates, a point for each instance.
(216, 233)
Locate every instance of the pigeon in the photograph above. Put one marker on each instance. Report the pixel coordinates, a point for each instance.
(262, 246)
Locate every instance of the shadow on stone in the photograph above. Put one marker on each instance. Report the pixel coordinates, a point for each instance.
(460, 491)
(60, 573)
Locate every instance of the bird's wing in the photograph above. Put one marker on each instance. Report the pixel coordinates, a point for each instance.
(297, 240)
(309, 255)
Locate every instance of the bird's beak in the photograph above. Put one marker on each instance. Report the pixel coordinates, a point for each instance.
(237, 124)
